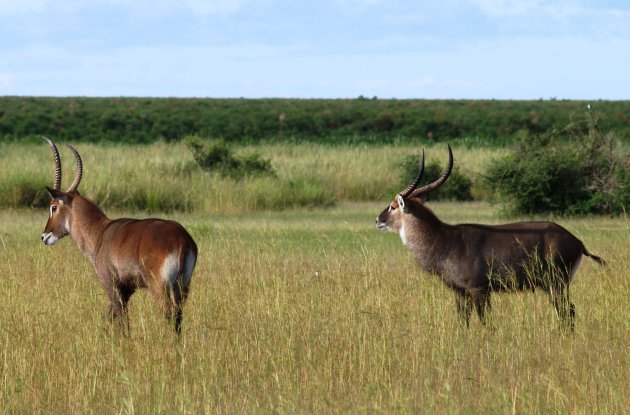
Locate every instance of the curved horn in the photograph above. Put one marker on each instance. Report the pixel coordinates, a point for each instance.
(77, 177)
(416, 181)
(440, 180)
(57, 180)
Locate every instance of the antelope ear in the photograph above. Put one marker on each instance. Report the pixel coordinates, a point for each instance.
(401, 204)
(58, 195)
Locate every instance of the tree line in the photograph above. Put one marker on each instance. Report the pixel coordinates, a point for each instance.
(360, 120)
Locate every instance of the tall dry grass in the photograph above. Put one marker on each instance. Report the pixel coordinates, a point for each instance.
(307, 312)
(163, 177)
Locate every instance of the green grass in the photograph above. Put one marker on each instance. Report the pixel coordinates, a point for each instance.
(163, 177)
(305, 311)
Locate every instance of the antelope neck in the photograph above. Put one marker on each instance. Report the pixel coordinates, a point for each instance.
(87, 225)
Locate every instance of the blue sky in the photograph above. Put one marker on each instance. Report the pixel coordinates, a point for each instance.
(479, 49)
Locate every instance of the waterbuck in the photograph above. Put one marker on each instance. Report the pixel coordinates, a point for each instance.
(126, 254)
(474, 260)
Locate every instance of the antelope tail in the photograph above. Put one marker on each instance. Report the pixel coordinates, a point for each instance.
(595, 258)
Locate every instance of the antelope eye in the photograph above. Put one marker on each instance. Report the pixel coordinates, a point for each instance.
(53, 208)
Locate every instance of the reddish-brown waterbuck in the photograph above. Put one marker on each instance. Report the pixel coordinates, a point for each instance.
(126, 254)
(474, 260)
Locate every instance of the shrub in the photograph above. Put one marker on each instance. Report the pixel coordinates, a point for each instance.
(544, 174)
(457, 187)
(216, 157)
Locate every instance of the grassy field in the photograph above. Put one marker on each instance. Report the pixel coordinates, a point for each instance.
(304, 311)
(164, 177)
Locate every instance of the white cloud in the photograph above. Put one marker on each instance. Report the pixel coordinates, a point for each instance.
(213, 7)
(528, 50)
(22, 6)
(358, 5)
(560, 10)
(499, 8)
(195, 7)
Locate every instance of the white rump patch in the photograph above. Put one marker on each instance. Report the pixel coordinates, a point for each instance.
(170, 269)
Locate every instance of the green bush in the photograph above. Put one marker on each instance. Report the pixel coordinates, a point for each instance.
(457, 187)
(216, 157)
(547, 174)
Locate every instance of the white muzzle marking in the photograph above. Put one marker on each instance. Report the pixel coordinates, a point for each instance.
(49, 239)
(381, 225)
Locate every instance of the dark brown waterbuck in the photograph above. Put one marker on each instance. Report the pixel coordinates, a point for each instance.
(474, 260)
(126, 254)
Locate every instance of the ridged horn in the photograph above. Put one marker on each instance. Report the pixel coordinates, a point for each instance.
(57, 180)
(79, 174)
(416, 181)
(440, 180)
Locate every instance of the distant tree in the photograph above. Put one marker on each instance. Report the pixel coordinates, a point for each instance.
(584, 173)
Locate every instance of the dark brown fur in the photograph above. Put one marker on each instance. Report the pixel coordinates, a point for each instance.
(474, 260)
